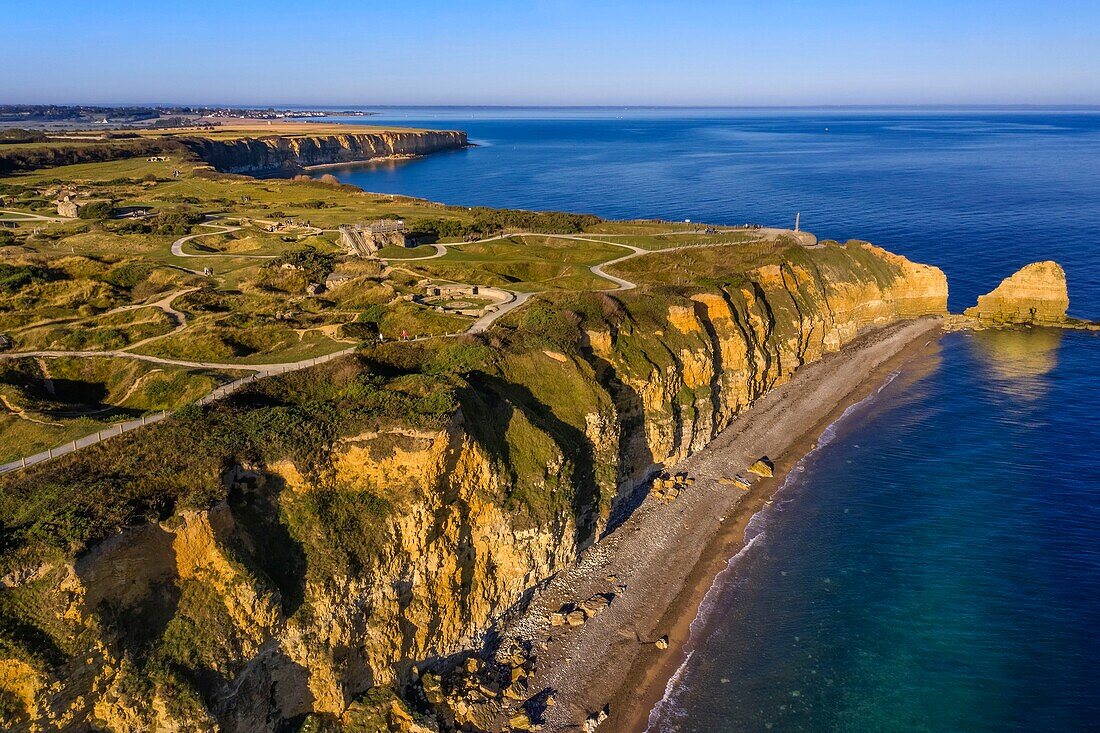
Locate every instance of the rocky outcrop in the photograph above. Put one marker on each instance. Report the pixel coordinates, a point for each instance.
(289, 153)
(313, 587)
(1033, 295)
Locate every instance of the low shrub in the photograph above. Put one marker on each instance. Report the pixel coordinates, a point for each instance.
(96, 210)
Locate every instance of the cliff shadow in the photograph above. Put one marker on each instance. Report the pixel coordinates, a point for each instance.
(502, 398)
(702, 314)
(633, 451)
(131, 583)
(270, 694)
(264, 539)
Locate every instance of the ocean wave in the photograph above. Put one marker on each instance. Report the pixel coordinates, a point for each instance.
(666, 706)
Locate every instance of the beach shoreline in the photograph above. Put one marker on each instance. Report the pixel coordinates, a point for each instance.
(637, 703)
(661, 573)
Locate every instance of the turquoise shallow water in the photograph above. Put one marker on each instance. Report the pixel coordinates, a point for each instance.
(935, 565)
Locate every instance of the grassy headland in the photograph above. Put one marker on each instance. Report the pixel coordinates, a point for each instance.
(300, 505)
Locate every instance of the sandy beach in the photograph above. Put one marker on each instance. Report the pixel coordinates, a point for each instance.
(662, 560)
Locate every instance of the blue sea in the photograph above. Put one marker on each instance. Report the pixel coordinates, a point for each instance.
(934, 564)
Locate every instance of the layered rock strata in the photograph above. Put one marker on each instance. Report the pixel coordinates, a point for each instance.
(1033, 295)
(289, 153)
(246, 617)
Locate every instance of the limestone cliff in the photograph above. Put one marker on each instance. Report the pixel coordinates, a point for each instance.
(310, 584)
(294, 152)
(1035, 294)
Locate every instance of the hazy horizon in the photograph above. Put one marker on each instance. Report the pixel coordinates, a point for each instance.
(357, 106)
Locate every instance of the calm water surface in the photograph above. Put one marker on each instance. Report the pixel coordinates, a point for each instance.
(979, 194)
(935, 564)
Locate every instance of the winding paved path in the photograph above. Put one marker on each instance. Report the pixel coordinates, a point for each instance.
(177, 246)
(481, 325)
(260, 371)
(263, 369)
(165, 304)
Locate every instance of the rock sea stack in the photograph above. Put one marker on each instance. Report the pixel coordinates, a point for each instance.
(1035, 295)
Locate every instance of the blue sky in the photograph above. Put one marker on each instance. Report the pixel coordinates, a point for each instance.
(551, 52)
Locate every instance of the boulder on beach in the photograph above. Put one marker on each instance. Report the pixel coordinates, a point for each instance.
(739, 481)
(520, 720)
(593, 721)
(576, 618)
(597, 603)
(666, 487)
(763, 466)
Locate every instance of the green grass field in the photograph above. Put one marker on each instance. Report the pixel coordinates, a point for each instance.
(523, 263)
(45, 403)
(63, 283)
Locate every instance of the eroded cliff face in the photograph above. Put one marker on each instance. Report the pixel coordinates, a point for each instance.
(310, 587)
(290, 153)
(1035, 294)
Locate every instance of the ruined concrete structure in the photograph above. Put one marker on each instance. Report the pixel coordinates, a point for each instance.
(69, 207)
(366, 239)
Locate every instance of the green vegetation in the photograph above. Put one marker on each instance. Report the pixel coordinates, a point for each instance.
(176, 464)
(14, 278)
(28, 632)
(45, 403)
(175, 221)
(32, 155)
(97, 210)
(314, 264)
(486, 222)
(704, 266)
(14, 135)
(524, 263)
(96, 285)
